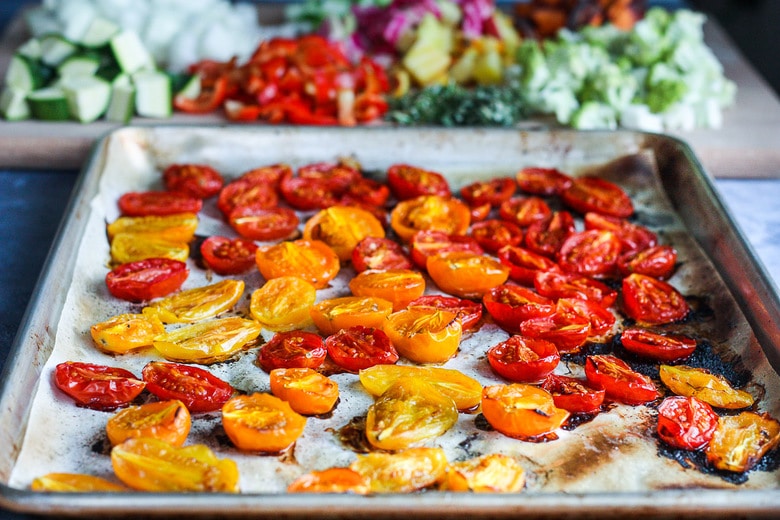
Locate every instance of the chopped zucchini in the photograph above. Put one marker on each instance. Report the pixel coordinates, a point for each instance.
(49, 104)
(130, 53)
(152, 93)
(55, 49)
(79, 65)
(189, 87)
(25, 73)
(122, 104)
(13, 104)
(87, 96)
(31, 49)
(99, 32)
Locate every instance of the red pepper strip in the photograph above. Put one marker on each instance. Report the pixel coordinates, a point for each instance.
(237, 111)
(208, 100)
(297, 112)
(369, 107)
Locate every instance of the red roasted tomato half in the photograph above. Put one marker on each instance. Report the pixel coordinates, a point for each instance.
(146, 279)
(523, 360)
(197, 388)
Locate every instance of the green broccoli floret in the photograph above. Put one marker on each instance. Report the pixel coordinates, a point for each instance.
(664, 94)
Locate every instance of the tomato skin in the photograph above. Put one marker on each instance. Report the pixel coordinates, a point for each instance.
(227, 256)
(493, 234)
(525, 211)
(510, 305)
(542, 181)
(407, 182)
(663, 347)
(146, 279)
(595, 194)
(619, 381)
(589, 253)
(469, 312)
(293, 349)
(428, 243)
(521, 411)
(652, 301)
(167, 421)
(657, 262)
(399, 286)
(261, 422)
(255, 222)
(357, 348)
(686, 422)
(492, 192)
(197, 180)
(312, 260)
(568, 285)
(429, 212)
(574, 395)
(547, 237)
(244, 192)
(466, 275)
(523, 263)
(97, 387)
(523, 360)
(197, 388)
(141, 204)
(567, 332)
(379, 253)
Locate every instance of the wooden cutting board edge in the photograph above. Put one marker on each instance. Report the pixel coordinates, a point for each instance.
(747, 146)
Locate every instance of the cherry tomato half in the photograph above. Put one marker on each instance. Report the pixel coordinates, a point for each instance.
(601, 319)
(589, 253)
(663, 347)
(97, 386)
(312, 260)
(256, 222)
(741, 440)
(408, 182)
(657, 262)
(568, 332)
(429, 243)
(568, 285)
(197, 388)
(228, 256)
(283, 303)
(342, 227)
(293, 349)
(493, 234)
(469, 312)
(261, 422)
(429, 212)
(331, 480)
(357, 348)
(619, 381)
(146, 279)
(713, 389)
(492, 192)
(523, 360)
(521, 411)
(309, 194)
(197, 180)
(379, 253)
(599, 195)
(466, 275)
(334, 314)
(547, 236)
(140, 204)
(424, 335)
(307, 391)
(510, 305)
(167, 421)
(246, 193)
(572, 394)
(399, 286)
(648, 300)
(633, 237)
(686, 422)
(524, 211)
(523, 263)
(542, 181)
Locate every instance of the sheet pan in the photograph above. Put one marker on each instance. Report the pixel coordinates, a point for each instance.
(724, 268)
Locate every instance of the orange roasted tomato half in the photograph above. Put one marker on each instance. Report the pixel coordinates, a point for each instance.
(332, 315)
(283, 303)
(331, 480)
(402, 472)
(261, 422)
(399, 286)
(342, 227)
(466, 275)
(74, 483)
(312, 260)
(164, 420)
(148, 464)
(521, 411)
(430, 212)
(424, 335)
(126, 332)
(307, 391)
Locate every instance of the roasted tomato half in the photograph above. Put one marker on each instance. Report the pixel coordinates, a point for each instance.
(601, 319)
(125, 332)
(493, 473)
(524, 211)
(590, 253)
(260, 223)
(261, 422)
(547, 236)
(619, 381)
(402, 472)
(97, 386)
(167, 421)
(197, 304)
(246, 193)
(523, 360)
(633, 237)
(208, 342)
(521, 411)
(492, 192)
(379, 253)
(139, 204)
(568, 285)
(469, 312)
(510, 305)
(294, 349)
(429, 212)
(663, 347)
(179, 227)
(342, 227)
(652, 301)
(283, 303)
(493, 234)
(542, 181)
(331, 480)
(227, 256)
(357, 348)
(711, 388)
(146, 279)
(307, 391)
(197, 388)
(466, 275)
(424, 335)
(428, 243)
(568, 332)
(335, 314)
(599, 195)
(686, 422)
(656, 261)
(197, 180)
(312, 260)
(573, 394)
(408, 182)
(524, 264)
(399, 286)
(741, 440)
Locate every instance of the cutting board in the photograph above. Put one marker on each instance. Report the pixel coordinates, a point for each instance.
(747, 146)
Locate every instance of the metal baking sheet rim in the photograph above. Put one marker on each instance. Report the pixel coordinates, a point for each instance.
(715, 230)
